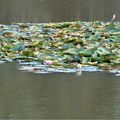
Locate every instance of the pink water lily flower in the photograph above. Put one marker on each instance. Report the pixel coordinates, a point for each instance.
(48, 62)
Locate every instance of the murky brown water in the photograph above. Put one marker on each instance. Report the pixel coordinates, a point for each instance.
(57, 10)
(34, 96)
(24, 95)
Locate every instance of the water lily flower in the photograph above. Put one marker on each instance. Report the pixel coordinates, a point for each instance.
(48, 62)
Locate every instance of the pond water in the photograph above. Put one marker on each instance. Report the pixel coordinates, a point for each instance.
(57, 10)
(26, 95)
(86, 95)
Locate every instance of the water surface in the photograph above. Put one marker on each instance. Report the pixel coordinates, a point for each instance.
(57, 95)
(57, 10)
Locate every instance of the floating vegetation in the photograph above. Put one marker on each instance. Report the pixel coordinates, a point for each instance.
(39, 68)
(62, 46)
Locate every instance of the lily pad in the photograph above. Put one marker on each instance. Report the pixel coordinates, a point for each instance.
(85, 53)
(17, 47)
(65, 44)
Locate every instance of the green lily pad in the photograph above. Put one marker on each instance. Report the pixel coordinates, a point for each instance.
(111, 26)
(17, 47)
(71, 51)
(85, 53)
(103, 51)
(85, 60)
(116, 38)
(64, 44)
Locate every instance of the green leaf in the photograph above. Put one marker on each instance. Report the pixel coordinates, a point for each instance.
(85, 60)
(18, 46)
(71, 51)
(116, 38)
(111, 26)
(85, 52)
(103, 51)
(95, 37)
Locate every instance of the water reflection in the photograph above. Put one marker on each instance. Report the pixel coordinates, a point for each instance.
(79, 73)
(57, 10)
(34, 96)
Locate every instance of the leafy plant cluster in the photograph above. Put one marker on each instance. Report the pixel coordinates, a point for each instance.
(64, 44)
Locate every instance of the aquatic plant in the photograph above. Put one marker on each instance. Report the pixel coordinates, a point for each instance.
(63, 45)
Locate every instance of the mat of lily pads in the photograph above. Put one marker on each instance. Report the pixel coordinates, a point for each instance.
(63, 46)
